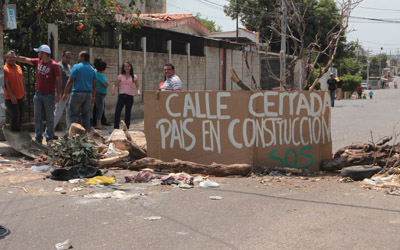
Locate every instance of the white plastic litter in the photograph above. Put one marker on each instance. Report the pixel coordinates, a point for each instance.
(76, 181)
(111, 152)
(215, 197)
(152, 218)
(208, 183)
(198, 179)
(64, 245)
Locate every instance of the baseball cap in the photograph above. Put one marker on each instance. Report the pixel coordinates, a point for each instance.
(43, 48)
(332, 74)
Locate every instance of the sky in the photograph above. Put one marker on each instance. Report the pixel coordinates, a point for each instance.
(372, 35)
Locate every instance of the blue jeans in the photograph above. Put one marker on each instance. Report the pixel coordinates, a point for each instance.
(333, 96)
(99, 101)
(79, 103)
(127, 101)
(44, 105)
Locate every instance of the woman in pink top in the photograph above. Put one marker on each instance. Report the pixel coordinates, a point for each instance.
(126, 91)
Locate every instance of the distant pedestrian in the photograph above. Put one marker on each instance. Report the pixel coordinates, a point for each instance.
(125, 81)
(339, 84)
(172, 81)
(359, 91)
(14, 92)
(83, 82)
(371, 94)
(48, 82)
(331, 86)
(101, 91)
(65, 72)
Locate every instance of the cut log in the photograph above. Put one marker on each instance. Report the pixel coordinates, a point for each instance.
(362, 158)
(109, 161)
(214, 169)
(76, 129)
(124, 128)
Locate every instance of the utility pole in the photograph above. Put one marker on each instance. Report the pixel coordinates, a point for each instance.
(237, 21)
(283, 46)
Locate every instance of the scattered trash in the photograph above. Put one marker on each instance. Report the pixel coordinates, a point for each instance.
(64, 245)
(43, 168)
(164, 192)
(102, 180)
(99, 195)
(3, 232)
(58, 189)
(182, 233)
(198, 179)
(74, 172)
(215, 197)
(393, 191)
(153, 218)
(76, 181)
(76, 189)
(4, 161)
(345, 180)
(208, 183)
(177, 178)
(185, 186)
(276, 173)
(124, 196)
(111, 152)
(142, 176)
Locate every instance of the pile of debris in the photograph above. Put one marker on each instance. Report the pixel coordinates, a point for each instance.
(375, 164)
(121, 151)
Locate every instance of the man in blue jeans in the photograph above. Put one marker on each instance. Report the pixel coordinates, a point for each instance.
(48, 79)
(83, 82)
(331, 86)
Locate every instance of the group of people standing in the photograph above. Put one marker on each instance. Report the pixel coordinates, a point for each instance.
(60, 86)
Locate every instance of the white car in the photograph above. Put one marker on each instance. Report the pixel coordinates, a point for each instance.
(364, 85)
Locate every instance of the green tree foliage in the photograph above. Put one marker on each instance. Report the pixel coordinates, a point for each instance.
(352, 60)
(350, 82)
(210, 24)
(77, 16)
(374, 65)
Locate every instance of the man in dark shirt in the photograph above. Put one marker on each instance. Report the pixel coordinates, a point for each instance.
(331, 86)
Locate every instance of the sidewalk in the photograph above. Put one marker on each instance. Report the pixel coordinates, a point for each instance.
(136, 130)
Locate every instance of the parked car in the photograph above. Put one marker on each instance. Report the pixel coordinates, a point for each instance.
(364, 85)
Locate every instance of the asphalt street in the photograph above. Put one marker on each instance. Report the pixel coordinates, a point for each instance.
(270, 212)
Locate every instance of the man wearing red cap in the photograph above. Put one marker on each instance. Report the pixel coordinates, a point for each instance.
(48, 80)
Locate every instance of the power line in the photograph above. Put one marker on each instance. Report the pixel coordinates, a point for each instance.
(369, 8)
(226, 18)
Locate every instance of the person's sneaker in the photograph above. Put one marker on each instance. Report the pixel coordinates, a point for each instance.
(55, 137)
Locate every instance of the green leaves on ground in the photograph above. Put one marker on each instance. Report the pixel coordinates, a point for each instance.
(73, 151)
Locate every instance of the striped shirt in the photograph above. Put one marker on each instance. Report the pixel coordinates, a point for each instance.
(172, 83)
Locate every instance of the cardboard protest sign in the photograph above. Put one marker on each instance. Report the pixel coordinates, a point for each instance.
(267, 128)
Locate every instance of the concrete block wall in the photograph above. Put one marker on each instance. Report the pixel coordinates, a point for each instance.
(203, 73)
(212, 68)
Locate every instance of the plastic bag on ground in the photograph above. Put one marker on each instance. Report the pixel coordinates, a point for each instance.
(111, 152)
(101, 180)
(209, 184)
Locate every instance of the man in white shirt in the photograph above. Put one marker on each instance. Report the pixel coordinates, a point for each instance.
(172, 82)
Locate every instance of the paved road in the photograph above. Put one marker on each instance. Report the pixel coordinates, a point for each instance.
(255, 213)
(353, 120)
